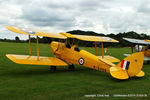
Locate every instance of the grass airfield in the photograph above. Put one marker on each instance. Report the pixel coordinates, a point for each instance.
(31, 82)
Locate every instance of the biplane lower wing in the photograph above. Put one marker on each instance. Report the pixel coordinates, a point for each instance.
(110, 58)
(25, 59)
(145, 57)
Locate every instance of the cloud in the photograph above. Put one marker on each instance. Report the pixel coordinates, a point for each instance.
(102, 16)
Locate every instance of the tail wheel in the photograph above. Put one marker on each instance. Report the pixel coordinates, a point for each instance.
(52, 67)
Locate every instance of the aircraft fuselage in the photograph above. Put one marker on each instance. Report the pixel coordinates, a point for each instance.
(72, 55)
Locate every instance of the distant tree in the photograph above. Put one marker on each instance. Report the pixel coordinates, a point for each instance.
(5, 39)
(119, 37)
(44, 40)
(17, 39)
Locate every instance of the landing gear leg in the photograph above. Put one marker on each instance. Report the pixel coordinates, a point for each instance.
(53, 68)
(71, 67)
(148, 61)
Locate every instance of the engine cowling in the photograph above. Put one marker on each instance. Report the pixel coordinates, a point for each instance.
(54, 47)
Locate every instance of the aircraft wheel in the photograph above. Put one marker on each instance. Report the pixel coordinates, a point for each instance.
(53, 67)
(71, 67)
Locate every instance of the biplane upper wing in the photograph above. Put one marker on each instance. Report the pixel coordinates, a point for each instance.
(25, 59)
(90, 38)
(28, 31)
(137, 41)
(95, 38)
(147, 40)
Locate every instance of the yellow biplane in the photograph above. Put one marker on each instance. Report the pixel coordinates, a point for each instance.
(67, 54)
(140, 46)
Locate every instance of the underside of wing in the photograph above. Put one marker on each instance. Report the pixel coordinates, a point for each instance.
(28, 31)
(126, 55)
(90, 38)
(146, 58)
(25, 59)
(137, 41)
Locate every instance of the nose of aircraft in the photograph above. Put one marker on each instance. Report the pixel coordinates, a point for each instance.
(53, 47)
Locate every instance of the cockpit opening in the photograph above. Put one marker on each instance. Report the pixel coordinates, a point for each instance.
(68, 45)
(77, 49)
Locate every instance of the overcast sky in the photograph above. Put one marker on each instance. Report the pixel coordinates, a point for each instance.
(102, 16)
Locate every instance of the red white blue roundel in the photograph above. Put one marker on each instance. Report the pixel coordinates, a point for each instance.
(106, 38)
(28, 31)
(81, 61)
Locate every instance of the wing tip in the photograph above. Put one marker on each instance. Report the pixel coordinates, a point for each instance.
(7, 26)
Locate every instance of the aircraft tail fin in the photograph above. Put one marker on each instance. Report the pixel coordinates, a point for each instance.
(129, 67)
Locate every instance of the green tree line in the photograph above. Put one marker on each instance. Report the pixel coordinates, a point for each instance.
(119, 37)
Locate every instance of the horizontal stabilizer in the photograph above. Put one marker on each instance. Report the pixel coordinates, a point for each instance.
(25, 59)
(140, 74)
(110, 58)
(119, 73)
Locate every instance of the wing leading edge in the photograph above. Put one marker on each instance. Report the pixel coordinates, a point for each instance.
(90, 38)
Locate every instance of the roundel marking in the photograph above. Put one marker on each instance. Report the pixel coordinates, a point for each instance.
(106, 38)
(81, 61)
